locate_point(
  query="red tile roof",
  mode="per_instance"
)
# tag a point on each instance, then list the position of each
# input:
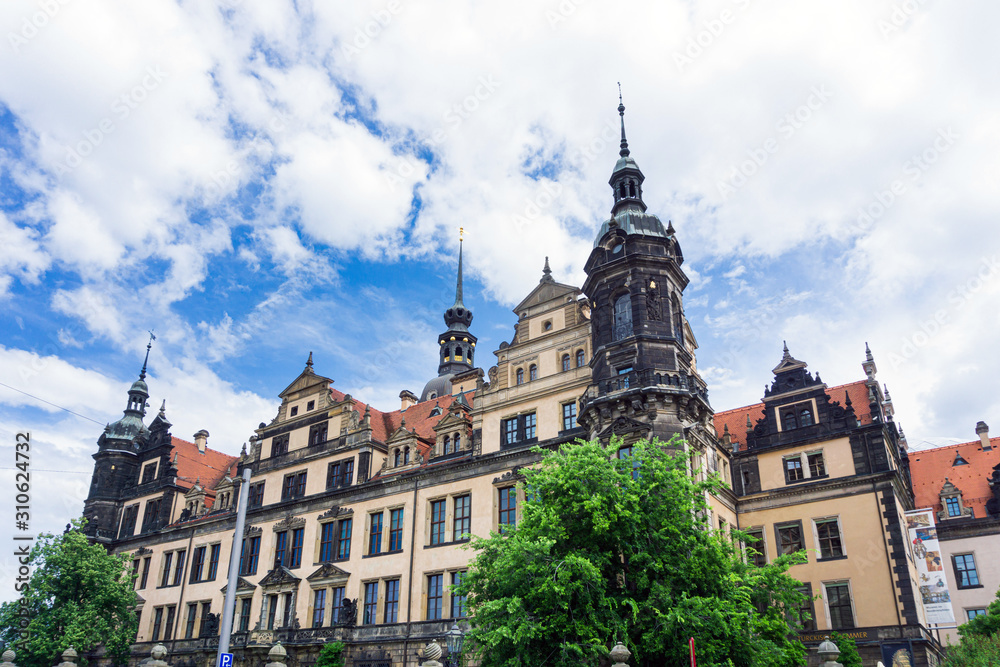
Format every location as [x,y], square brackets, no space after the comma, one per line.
[930,467]
[417,416]
[207,469]
[736,419]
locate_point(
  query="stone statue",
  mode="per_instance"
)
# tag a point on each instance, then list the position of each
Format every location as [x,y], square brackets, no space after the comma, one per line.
[349,613]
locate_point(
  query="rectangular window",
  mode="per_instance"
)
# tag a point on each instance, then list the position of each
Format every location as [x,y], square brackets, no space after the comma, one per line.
[569,414]
[828,532]
[272,610]
[317,434]
[458,602]
[437,521]
[149,472]
[295,548]
[972,613]
[518,429]
[435,594]
[623,373]
[371,603]
[626,452]
[965,571]
[168,559]
[789,538]
[375,534]
[280,548]
[157,623]
[396,530]
[245,614]
[954,509]
[249,554]
[128,521]
[168,627]
[294,486]
[197,564]
[151,515]
[344,539]
[756,551]
[336,604]
[192,617]
[391,601]
[213,562]
[145,572]
[816,466]
[179,570]
[326,540]
[256,497]
[838,597]
[807,619]
[793,469]
[206,609]
[279,445]
[508,507]
[463,517]
[319,607]
[340,474]
[310,405]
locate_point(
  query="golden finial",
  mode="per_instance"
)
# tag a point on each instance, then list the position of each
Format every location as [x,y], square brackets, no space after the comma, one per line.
[461,233]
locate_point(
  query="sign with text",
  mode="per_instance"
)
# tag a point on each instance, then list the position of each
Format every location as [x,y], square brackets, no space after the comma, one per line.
[926,552]
[225,660]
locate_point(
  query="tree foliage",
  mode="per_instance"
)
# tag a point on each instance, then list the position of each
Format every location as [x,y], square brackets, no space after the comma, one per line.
[331,655]
[984,625]
[980,645]
[78,595]
[601,555]
[849,655]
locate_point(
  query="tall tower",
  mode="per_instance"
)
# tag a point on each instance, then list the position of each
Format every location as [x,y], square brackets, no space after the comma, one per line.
[116,460]
[644,382]
[458,345]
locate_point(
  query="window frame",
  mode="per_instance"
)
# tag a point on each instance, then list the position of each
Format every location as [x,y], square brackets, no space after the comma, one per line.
[506,512]
[397,516]
[569,420]
[778,542]
[369,611]
[197,563]
[462,524]
[820,538]
[757,555]
[279,444]
[438,516]
[435,596]
[256,495]
[962,574]
[846,584]
[375,533]
[390,611]
[293,485]
[519,429]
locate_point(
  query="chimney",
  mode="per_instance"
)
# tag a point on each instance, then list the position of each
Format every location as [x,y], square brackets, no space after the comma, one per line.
[983,431]
[201,439]
[407,398]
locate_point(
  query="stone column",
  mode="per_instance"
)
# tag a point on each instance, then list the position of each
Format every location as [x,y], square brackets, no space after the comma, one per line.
[69,657]
[620,655]
[276,656]
[828,652]
[432,652]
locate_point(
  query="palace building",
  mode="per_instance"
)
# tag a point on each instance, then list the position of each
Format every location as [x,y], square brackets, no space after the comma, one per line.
[357,517]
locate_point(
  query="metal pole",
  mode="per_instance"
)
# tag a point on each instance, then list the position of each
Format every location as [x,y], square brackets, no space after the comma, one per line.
[226,626]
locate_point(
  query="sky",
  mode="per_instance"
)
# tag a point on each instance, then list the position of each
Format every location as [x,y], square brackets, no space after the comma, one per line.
[255,180]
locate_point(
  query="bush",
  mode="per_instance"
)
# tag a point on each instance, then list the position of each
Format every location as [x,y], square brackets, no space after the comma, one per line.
[331,655]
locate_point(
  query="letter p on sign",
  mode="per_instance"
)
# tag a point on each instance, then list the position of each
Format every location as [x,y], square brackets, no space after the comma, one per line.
[226,660]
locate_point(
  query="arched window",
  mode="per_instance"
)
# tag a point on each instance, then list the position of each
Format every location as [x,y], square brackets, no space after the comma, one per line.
[565,362]
[397,458]
[788,421]
[623,317]
[458,442]
[579,358]
[675,309]
[406,455]
[468,355]
[520,376]
[532,372]
[447,444]
[806,417]
[631,188]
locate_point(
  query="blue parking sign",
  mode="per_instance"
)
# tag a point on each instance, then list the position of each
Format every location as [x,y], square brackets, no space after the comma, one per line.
[226,660]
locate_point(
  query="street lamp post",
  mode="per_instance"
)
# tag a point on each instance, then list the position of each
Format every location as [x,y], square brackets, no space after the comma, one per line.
[454,638]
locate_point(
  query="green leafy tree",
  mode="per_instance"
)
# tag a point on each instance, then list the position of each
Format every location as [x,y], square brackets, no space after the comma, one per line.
[78,595]
[974,651]
[849,656]
[331,655]
[612,549]
[984,625]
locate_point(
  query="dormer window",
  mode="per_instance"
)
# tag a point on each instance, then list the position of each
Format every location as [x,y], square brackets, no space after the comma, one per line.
[458,442]
[953,506]
[533,372]
[951,501]
[520,376]
[805,417]
[580,360]
[788,421]
[294,411]
[447,444]
[565,362]
[959,461]
[310,405]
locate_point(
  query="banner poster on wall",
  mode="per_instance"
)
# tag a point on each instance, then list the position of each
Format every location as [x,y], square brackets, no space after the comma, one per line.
[930,566]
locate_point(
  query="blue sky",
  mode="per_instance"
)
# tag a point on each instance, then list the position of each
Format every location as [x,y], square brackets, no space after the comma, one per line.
[257,180]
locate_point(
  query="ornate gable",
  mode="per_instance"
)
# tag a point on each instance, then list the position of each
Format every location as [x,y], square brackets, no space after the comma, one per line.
[279,577]
[327,573]
[241,586]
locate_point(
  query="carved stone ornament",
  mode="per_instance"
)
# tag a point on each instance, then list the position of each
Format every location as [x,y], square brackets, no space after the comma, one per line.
[335,512]
[624,425]
[252,530]
[142,551]
[508,477]
[289,523]
[653,309]
[493,374]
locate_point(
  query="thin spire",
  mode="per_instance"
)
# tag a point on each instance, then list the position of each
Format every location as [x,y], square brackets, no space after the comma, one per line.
[309,361]
[621,112]
[547,272]
[149,345]
[458,286]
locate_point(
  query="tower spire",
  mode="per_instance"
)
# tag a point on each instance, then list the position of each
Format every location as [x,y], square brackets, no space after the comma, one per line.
[149,345]
[621,112]
[458,285]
